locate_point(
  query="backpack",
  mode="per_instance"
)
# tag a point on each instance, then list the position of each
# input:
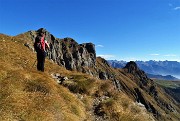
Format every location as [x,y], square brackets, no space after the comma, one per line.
[38,45]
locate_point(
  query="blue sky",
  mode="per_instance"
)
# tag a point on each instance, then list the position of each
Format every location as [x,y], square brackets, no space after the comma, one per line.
[120,29]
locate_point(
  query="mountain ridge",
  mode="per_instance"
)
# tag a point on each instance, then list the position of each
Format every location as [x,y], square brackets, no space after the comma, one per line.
[131,82]
[154,68]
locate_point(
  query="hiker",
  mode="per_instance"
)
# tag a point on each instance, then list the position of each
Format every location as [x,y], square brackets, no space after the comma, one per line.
[40,46]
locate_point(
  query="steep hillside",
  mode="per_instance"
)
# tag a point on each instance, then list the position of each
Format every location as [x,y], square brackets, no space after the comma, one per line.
[26,94]
[171,87]
[58,94]
[135,83]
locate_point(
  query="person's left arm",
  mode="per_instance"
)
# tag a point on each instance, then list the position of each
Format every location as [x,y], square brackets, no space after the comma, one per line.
[46,44]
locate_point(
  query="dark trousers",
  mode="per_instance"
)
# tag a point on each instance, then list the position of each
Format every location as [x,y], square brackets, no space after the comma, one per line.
[41,60]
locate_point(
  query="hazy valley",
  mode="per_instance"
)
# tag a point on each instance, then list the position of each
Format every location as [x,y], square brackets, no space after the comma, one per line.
[169,70]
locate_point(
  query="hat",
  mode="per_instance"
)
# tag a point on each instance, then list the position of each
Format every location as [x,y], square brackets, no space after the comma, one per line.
[41,30]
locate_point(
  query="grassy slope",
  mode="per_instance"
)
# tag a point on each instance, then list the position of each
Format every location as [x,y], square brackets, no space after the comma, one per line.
[168,84]
[171,87]
[31,95]
[129,83]
[26,94]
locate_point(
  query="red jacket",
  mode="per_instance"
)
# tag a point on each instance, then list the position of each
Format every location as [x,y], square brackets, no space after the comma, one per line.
[40,44]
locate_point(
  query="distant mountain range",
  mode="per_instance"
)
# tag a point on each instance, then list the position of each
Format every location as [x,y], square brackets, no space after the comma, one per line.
[165,70]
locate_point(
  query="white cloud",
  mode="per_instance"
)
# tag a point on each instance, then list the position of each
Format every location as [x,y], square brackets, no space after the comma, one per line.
[170,55]
[107,56]
[130,59]
[177,8]
[155,54]
[99,46]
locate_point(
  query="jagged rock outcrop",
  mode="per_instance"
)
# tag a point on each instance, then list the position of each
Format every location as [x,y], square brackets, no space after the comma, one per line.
[132,68]
[150,89]
[68,53]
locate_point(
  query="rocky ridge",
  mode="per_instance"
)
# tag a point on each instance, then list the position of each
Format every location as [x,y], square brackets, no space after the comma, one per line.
[68,53]
[131,80]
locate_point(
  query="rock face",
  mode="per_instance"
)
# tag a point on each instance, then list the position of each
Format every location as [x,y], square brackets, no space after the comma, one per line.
[142,78]
[68,53]
[132,67]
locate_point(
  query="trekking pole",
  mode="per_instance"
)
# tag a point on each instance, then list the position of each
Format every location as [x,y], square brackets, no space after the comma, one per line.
[34,63]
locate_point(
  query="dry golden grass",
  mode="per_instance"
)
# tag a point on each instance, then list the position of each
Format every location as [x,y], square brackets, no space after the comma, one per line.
[121,108]
[26,94]
[30,95]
